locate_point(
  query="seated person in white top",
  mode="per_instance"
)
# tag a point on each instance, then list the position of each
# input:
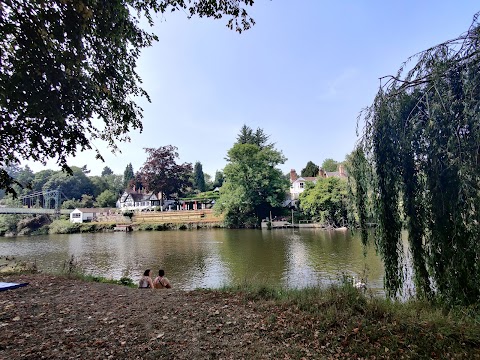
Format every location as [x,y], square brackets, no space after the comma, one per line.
[146,281]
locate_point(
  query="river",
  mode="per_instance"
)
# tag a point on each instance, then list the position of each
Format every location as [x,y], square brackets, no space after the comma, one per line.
[209,258]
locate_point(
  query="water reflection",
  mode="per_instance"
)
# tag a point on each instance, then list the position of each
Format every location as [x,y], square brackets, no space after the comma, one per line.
[209,258]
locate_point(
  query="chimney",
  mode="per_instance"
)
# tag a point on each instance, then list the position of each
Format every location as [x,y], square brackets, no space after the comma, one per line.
[293,175]
[341,170]
[321,173]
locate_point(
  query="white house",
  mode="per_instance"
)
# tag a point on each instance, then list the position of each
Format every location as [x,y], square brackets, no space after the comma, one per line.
[81,215]
[137,201]
[298,184]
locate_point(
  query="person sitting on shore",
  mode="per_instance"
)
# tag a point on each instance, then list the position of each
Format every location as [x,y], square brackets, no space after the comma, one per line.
[161,282]
[146,281]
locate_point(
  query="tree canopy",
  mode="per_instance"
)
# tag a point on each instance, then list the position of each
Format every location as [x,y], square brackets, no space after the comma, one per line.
[310,170]
[72,186]
[68,72]
[326,201]
[161,173]
[253,184]
[106,171]
[418,159]
[257,137]
[128,175]
[198,177]
[330,165]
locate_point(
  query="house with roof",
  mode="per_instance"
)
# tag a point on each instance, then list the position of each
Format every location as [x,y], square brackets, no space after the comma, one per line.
[80,215]
[299,183]
[138,201]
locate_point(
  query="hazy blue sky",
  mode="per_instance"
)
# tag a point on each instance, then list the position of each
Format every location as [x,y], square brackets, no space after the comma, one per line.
[302,73]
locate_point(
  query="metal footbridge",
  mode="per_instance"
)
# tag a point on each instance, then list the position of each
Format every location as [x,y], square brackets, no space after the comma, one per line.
[40,202]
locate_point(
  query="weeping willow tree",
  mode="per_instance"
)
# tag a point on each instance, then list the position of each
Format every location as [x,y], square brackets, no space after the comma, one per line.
[418,162]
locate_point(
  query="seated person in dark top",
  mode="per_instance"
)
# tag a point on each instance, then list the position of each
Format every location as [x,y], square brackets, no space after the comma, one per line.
[146,281]
[161,282]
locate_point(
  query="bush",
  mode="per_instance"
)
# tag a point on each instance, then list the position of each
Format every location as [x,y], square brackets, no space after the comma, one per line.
[63,227]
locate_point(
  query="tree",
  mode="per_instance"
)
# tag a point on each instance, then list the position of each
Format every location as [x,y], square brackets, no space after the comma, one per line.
[310,170]
[40,179]
[419,156]
[218,182]
[128,175]
[68,73]
[253,185]
[198,177]
[330,165]
[326,201]
[161,173]
[106,171]
[99,185]
[106,199]
[248,136]
[208,182]
[72,186]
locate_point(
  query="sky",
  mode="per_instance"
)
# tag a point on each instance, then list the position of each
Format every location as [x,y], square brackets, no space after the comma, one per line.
[303,73]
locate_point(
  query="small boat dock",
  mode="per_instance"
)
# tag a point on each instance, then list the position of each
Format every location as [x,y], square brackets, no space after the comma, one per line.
[123,227]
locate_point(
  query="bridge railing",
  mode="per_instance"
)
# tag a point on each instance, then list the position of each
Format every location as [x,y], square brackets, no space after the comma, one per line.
[12,210]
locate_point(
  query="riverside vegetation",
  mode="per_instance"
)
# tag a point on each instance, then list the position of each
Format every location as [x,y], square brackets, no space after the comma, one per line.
[13,225]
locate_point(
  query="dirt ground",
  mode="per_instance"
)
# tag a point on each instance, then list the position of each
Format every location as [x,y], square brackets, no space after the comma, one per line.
[56,317]
[61,318]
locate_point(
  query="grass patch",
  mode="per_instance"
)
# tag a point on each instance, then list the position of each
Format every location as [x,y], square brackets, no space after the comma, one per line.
[351,323]
[72,269]
[61,226]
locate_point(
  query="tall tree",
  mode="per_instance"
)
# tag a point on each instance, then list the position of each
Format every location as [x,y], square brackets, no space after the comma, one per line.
[421,144]
[66,63]
[198,177]
[330,165]
[310,170]
[257,137]
[218,182]
[253,184]
[208,182]
[128,175]
[161,173]
[106,171]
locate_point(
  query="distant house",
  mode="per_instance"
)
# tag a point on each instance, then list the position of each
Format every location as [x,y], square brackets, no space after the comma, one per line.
[81,215]
[138,201]
[298,184]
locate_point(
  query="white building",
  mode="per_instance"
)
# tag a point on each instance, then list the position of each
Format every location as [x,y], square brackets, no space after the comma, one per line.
[81,215]
[298,184]
[138,201]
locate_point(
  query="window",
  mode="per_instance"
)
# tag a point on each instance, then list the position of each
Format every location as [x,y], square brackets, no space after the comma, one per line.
[76,215]
[301,185]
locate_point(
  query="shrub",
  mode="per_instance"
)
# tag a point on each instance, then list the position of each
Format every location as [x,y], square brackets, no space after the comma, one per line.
[63,227]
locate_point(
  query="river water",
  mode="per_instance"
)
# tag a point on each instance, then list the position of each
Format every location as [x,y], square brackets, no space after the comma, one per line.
[209,258]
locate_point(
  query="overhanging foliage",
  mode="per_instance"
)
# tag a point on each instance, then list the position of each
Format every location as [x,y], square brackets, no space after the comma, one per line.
[422,143]
[68,72]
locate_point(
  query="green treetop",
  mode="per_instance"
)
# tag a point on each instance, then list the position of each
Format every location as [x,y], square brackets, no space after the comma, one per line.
[310,170]
[253,184]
